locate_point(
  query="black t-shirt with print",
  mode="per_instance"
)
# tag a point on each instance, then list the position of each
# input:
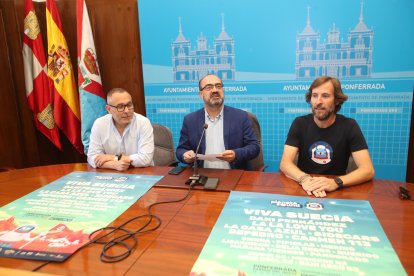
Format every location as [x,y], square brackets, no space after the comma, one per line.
[325,150]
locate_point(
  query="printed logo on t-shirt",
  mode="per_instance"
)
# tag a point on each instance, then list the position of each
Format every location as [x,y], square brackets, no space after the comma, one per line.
[321,152]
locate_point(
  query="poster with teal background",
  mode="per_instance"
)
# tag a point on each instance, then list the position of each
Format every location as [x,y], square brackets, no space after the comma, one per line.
[268,52]
[271,234]
[54,221]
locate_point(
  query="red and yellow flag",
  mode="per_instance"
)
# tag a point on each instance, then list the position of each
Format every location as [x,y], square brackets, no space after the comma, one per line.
[39,95]
[60,71]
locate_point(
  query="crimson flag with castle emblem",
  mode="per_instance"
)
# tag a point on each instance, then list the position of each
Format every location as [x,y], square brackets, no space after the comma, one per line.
[39,95]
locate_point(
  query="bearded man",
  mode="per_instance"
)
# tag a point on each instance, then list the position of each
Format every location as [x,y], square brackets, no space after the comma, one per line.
[228,131]
[324,141]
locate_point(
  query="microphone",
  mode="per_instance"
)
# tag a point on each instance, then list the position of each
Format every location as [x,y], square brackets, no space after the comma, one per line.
[196,178]
[205,126]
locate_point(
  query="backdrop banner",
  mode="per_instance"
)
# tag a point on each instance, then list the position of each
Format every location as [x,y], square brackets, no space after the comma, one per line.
[270,234]
[54,221]
[269,52]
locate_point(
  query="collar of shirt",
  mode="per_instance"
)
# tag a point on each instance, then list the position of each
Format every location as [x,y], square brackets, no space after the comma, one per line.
[209,119]
[113,126]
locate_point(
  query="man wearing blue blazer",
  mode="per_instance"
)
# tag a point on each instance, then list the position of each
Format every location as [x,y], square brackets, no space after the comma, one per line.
[228,131]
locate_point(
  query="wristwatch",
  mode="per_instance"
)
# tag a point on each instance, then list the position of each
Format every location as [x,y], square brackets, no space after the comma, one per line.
[117,157]
[339,182]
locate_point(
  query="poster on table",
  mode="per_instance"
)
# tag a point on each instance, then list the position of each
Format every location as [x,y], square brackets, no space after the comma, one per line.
[271,234]
[268,52]
[54,221]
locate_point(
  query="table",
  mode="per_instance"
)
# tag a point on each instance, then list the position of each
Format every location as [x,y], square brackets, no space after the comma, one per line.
[174,247]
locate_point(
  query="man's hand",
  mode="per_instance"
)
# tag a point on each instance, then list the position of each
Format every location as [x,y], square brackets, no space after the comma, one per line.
[108,161]
[227,155]
[189,156]
[318,186]
[101,159]
[121,165]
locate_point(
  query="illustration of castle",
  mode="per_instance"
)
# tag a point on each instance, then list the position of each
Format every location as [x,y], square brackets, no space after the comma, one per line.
[351,59]
[190,65]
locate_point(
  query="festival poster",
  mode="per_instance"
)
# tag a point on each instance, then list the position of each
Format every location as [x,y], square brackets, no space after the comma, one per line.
[54,221]
[271,234]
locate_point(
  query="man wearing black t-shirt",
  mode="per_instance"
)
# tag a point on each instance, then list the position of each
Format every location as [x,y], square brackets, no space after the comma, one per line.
[324,141]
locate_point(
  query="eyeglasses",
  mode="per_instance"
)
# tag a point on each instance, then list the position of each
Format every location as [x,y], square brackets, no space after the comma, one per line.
[121,107]
[404,193]
[210,87]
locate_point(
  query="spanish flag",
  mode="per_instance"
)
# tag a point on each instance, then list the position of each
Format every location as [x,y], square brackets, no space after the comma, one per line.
[60,71]
[39,95]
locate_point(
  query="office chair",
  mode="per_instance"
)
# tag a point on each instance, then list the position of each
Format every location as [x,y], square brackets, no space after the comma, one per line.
[258,162]
[163,146]
[351,165]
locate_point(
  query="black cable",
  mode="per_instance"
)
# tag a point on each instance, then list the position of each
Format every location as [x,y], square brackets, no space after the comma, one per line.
[405,194]
[121,240]
[126,235]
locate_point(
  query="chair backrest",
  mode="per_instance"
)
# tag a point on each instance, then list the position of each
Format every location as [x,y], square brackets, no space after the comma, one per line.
[258,162]
[163,146]
[351,165]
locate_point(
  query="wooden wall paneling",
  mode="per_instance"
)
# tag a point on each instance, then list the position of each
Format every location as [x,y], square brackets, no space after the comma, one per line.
[139,79]
[10,130]
[115,26]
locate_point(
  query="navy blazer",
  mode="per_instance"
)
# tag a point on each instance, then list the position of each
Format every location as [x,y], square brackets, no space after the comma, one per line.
[238,136]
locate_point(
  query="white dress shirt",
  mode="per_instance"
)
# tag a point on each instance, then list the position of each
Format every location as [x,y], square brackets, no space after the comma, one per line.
[137,141]
[215,141]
